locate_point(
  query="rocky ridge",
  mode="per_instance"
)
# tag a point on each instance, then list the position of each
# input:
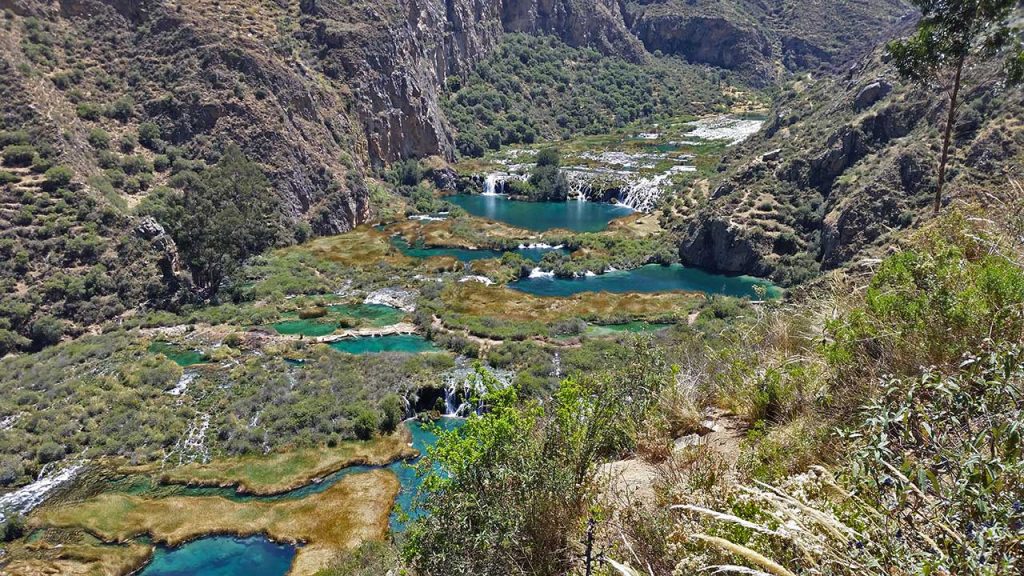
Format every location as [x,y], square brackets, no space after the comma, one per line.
[841,164]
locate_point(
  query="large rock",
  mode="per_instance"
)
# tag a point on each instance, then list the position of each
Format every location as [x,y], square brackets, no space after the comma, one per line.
[871,93]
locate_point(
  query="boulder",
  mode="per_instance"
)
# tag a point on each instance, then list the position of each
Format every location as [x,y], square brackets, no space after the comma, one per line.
[870,94]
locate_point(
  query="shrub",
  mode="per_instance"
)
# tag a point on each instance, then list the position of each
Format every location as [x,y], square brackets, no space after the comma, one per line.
[149,134]
[19,155]
[99,139]
[58,177]
[121,109]
[392,410]
[13,137]
[46,331]
[88,111]
[366,423]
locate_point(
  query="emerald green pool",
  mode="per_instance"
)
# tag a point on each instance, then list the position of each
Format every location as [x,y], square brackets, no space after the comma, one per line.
[626,328]
[373,314]
[306,327]
[222,556]
[259,556]
[408,343]
[650,278]
[571,215]
[177,354]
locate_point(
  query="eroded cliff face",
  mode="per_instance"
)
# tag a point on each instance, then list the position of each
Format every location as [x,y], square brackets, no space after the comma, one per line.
[764,39]
[842,164]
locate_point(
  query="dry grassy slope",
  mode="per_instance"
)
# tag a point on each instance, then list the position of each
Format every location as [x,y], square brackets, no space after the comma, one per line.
[842,165]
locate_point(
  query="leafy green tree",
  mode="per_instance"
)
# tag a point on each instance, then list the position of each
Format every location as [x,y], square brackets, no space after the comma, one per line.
[516,483]
[366,423]
[58,177]
[46,331]
[948,35]
[222,217]
[392,409]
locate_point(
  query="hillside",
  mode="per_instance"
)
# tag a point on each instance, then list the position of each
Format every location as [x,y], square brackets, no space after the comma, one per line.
[842,164]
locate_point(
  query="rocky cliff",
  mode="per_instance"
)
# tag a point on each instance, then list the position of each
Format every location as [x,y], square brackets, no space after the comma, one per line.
[764,39]
[841,164]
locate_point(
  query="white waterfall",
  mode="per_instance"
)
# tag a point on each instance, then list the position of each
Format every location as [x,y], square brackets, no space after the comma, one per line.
[462,383]
[643,193]
[491,185]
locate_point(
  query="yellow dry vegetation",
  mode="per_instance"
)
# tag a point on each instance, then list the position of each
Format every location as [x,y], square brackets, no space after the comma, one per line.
[350,512]
[291,469]
[476,299]
[78,560]
[362,247]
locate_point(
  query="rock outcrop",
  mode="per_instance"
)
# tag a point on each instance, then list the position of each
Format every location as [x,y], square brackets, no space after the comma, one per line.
[842,164]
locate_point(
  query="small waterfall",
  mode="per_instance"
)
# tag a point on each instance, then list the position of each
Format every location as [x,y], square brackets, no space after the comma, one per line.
[580,186]
[557,363]
[642,194]
[491,184]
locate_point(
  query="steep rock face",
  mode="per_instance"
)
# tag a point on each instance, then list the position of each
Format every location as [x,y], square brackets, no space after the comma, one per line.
[715,40]
[599,24]
[833,175]
[761,39]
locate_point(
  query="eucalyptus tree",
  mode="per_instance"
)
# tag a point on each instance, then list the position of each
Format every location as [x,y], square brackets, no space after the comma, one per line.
[949,35]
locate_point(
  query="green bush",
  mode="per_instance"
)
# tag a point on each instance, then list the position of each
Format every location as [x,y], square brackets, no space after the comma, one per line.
[46,331]
[365,423]
[149,134]
[58,177]
[19,155]
[89,111]
[99,139]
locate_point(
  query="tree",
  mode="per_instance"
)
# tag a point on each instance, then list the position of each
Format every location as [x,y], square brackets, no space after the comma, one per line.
[949,33]
[222,217]
[392,409]
[519,480]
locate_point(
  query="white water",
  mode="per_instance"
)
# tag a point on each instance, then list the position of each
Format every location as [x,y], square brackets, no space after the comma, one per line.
[642,194]
[404,300]
[481,279]
[26,498]
[538,273]
[540,246]
[462,383]
[730,128]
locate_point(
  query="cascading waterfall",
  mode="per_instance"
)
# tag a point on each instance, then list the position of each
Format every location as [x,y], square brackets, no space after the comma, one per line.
[580,186]
[491,185]
[462,383]
[494,183]
[643,193]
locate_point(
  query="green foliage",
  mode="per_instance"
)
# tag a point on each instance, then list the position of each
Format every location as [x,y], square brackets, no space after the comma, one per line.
[149,135]
[46,331]
[930,307]
[392,409]
[366,423]
[520,478]
[947,452]
[58,177]
[19,155]
[534,87]
[12,526]
[222,217]
[99,139]
[949,31]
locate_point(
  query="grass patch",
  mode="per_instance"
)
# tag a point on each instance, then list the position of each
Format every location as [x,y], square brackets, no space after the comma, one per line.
[353,511]
[287,470]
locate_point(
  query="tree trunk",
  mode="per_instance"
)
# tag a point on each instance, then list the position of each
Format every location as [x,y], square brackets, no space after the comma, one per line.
[950,119]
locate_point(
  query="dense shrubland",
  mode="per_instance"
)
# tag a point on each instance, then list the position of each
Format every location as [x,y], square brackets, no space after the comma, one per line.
[534,88]
[107,395]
